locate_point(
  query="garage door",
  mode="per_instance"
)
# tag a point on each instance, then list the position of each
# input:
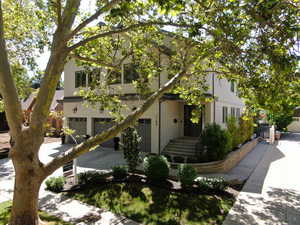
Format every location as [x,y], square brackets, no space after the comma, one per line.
[144,130]
[79,126]
[101,124]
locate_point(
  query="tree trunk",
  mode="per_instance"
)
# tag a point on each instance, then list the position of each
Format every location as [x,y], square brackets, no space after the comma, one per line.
[25,201]
[28,179]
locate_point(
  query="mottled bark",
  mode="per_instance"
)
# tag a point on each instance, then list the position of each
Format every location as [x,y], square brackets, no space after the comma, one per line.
[29,176]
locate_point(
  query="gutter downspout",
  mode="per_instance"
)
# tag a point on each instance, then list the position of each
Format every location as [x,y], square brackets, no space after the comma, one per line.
[213,93]
[159,110]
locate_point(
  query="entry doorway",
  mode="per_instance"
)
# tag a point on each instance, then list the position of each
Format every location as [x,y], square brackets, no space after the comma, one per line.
[191,129]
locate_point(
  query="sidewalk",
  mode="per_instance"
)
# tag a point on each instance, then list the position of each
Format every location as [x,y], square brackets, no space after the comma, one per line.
[271,196]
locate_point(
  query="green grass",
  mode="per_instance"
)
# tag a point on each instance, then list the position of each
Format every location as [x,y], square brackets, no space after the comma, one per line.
[156,206]
[48,219]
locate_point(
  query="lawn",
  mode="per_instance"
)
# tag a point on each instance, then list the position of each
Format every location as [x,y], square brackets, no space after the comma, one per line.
[48,219]
[157,206]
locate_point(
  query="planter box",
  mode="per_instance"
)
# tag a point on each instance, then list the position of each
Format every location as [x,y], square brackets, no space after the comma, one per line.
[231,160]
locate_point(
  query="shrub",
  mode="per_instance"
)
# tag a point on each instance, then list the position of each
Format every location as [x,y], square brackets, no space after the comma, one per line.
[130,146]
[120,172]
[246,128]
[55,184]
[91,177]
[234,131]
[187,175]
[215,183]
[156,168]
[217,142]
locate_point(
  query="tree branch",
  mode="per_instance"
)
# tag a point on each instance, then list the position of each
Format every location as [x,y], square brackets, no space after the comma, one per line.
[93,17]
[7,87]
[126,29]
[113,131]
[55,67]
[58,8]
[101,63]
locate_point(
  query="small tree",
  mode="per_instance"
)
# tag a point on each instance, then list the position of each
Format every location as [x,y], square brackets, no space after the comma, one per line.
[130,146]
[234,130]
[246,128]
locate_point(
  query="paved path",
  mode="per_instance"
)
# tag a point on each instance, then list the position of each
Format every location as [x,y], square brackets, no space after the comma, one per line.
[68,209]
[271,196]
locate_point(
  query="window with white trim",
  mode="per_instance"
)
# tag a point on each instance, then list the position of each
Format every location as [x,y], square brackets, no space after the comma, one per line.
[225,114]
[80,79]
[232,111]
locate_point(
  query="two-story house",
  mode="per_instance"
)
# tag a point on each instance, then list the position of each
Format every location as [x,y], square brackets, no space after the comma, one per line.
[166,120]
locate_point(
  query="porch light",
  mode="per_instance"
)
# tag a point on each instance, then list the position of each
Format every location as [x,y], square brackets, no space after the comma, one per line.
[75,110]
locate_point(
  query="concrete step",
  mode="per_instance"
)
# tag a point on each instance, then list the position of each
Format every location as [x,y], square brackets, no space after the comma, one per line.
[188,141]
[176,149]
[172,153]
[183,146]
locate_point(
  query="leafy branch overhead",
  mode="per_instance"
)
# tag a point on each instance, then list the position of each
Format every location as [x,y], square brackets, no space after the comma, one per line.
[253,42]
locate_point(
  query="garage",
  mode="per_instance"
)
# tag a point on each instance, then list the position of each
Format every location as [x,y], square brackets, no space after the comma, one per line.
[144,130]
[77,124]
[100,125]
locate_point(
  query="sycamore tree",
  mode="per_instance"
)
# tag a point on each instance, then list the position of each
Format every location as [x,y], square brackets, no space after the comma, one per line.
[239,40]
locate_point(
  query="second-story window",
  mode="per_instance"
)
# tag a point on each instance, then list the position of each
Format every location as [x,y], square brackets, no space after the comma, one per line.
[94,77]
[80,79]
[130,72]
[232,86]
[113,77]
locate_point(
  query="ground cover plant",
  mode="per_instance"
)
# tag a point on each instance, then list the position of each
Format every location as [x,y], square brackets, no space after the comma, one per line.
[155,205]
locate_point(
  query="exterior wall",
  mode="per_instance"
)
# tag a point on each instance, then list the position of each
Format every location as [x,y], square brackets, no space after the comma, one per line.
[224,97]
[295,125]
[171,121]
[90,113]
[69,86]
[170,110]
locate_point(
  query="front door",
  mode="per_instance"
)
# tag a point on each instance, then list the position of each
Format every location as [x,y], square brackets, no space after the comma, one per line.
[191,129]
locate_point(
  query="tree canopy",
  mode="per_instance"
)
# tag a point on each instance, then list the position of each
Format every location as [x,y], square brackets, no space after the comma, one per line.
[252,41]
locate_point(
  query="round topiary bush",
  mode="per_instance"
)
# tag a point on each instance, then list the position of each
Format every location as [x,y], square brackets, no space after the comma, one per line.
[186,175]
[120,172]
[156,168]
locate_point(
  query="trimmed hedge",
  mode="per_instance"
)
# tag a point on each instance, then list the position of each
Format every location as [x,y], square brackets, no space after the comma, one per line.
[187,175]
[156,168]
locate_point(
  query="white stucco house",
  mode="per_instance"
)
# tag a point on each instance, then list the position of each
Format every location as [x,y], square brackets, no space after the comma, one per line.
[166,125]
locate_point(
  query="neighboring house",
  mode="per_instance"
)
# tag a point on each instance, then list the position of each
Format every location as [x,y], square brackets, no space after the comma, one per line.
[56,110]
[166,122]
[295,125]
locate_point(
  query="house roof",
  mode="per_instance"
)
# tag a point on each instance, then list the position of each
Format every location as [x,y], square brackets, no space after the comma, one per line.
[25,104]
[59,95]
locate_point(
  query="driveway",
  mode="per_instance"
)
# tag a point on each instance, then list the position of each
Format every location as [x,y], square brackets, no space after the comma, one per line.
[100,159]
[271,195]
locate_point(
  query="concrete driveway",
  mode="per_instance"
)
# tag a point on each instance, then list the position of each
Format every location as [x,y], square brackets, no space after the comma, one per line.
[271,195]
[100,159]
